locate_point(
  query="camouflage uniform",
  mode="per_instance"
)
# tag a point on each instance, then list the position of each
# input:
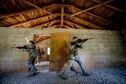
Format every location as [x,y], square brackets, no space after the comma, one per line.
[73,57]
[31,49]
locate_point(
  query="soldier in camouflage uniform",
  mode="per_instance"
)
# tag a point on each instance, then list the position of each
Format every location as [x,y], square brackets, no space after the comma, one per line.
[73,47]
[31,49]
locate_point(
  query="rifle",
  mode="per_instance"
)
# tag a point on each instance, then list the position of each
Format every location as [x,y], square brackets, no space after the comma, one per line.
[21,47]
[81,41]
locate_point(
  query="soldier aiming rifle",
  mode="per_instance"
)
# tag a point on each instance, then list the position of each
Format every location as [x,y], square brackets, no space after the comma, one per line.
[73,49]
[31,49]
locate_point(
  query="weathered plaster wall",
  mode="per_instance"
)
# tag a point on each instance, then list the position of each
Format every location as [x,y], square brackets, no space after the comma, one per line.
[107,49]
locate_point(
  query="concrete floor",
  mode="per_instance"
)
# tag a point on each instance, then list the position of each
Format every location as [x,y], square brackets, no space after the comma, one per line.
[42,66]
[98,76]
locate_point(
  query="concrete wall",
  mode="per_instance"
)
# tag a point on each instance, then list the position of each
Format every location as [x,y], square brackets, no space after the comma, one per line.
[123,32]
[107,49]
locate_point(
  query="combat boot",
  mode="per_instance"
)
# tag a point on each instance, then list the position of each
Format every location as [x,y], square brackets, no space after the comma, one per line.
[85,74]
[63,76]
[32,72]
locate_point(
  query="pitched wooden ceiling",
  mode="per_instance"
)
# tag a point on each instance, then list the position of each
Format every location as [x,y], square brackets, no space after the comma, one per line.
[77,14]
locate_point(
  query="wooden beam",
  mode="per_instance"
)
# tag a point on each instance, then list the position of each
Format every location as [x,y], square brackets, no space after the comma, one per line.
[99,17]
[38,39]
[12,14]
[58,26]
[30,10]
[62,5]
[47,23]
[77,26]
[50,24]
[91,8]
[39,18]
[23,12]
[70,24]
[58,21]
[42,38]
[83,22]
[115,8]
[102,18]
[62,15]
[55,26]
[36,7]
[67,27]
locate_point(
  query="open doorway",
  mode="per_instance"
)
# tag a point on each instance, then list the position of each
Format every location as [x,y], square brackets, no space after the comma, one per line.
[56,52]
[43,50]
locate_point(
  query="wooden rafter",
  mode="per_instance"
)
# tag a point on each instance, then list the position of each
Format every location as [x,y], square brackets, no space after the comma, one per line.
[36,6]
[91,8]
[99,17]
[48,16]
[53,23]
[55,26]
[42,38]
[70,24]
[50,24]
[58,25]
[62,15]
[93,14]
[102,18]
[67,27]
[38,39]
[115,8]
[23,12]
[47,24]
[83,21]
[69,15]
[77,26]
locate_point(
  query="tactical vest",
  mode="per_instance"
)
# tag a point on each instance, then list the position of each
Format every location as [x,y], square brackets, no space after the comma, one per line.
[73,50]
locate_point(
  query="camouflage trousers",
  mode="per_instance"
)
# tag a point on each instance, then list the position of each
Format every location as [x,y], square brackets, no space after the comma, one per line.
[31,64]
[70,63]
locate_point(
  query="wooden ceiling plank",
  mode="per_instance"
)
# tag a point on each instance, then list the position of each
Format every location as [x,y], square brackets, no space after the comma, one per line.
[79,27]
[12,14]
[113,7]
[52,22]
[102,18]
[36,6]
[83,21]
[91,8]
[98,17]
[23,12]
[35,19]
